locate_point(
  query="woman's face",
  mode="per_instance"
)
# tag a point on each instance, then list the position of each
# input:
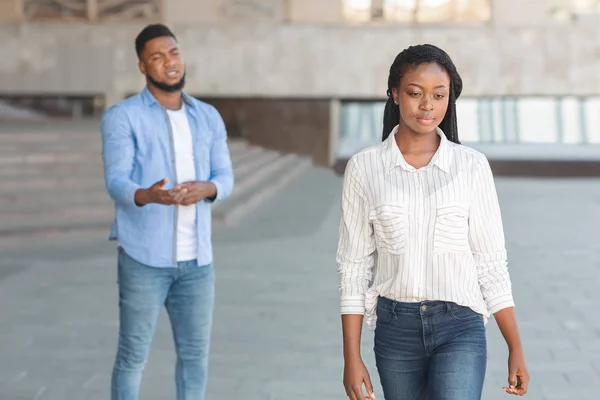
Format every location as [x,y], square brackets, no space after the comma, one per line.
[422,97]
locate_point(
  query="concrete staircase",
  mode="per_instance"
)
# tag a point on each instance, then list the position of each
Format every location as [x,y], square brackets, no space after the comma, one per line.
[51,179]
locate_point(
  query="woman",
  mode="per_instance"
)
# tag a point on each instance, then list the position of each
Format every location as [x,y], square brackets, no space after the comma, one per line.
[423,209]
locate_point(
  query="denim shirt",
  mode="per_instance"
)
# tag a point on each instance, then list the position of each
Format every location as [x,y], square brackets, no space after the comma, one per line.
[138,151]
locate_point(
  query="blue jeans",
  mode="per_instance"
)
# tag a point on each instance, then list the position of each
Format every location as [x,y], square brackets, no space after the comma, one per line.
[187,292]
[431,350]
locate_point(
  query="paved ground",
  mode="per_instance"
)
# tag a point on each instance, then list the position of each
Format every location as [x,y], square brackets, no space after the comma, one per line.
[277,328]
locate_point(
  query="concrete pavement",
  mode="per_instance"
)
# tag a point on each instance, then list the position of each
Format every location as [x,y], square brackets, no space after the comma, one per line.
[277,327]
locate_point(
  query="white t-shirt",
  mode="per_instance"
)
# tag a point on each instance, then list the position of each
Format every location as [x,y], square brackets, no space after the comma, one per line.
[187,243]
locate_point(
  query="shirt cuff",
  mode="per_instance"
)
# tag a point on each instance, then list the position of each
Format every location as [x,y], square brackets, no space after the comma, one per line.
[353,305]
[500,303]
[130,194]
[220,192]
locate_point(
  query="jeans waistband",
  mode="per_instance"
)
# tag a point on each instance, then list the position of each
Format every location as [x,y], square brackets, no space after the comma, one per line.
[417,308]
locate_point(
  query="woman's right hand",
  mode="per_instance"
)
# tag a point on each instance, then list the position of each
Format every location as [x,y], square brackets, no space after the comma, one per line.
[355,375]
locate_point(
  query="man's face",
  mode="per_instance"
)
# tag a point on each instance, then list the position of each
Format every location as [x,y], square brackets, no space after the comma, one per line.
[162,64]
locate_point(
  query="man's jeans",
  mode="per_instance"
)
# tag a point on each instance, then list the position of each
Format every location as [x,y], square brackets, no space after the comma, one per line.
[187,292]
[431,350]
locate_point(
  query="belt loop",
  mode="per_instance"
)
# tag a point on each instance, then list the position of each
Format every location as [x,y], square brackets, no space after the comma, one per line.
[447,306]
[394,316]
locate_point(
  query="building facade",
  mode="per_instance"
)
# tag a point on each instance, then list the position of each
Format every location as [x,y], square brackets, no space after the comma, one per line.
[310,76]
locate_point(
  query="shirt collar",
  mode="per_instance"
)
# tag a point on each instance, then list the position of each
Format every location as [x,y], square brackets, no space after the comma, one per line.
[392,156]
[150,100]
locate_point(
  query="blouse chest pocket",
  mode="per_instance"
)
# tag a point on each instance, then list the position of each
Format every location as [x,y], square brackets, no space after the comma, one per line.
[389,226]
[451,233]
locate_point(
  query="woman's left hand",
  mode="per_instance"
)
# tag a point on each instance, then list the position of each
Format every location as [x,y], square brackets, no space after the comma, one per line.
[518,376]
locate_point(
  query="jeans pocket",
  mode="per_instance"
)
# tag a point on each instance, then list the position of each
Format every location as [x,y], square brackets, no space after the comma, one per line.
[384,316]
[462,313]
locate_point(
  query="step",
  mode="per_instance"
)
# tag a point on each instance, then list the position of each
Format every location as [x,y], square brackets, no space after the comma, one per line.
[76,155]
[60,213]
[23,201]
[242,154]
[58,168]
[89,176]
[234,209]
[53,186]
[48,227]
[88,185]
[73,218]
[62,149]
[258,175]
[249,166]
[44,170]
[6,150]
[57,192]
[48,138]
[45,159]
[237,144]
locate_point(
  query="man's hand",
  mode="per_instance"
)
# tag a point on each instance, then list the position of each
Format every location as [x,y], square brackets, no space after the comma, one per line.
[518,376]
[197,191]
[156,194]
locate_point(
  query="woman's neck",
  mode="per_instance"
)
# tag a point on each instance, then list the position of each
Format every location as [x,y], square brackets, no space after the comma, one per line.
[410,142]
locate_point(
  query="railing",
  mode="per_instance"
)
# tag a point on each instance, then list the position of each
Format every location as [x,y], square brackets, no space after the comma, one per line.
[90,10]
[546,120]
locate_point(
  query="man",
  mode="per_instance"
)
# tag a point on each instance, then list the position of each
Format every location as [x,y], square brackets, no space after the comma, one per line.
[165,161]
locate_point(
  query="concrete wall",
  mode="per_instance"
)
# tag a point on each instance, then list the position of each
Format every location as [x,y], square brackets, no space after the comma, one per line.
[264,57]
[225,11]
[288,125]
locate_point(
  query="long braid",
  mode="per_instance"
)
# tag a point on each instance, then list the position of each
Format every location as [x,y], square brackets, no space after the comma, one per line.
[413,56]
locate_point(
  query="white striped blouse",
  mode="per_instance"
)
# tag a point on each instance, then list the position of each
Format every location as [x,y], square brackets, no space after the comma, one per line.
[433,233]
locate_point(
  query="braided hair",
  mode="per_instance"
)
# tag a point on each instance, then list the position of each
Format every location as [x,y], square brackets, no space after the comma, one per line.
[414,56]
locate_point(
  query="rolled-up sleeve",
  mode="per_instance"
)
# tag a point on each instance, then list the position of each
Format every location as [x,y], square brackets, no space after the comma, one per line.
[486,236]
[356,245]
[221,170]
[118,152]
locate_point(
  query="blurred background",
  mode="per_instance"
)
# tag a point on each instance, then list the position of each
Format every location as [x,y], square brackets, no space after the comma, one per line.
[301,86]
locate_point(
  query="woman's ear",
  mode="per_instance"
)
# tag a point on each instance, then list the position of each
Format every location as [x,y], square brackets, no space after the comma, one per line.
[395,96]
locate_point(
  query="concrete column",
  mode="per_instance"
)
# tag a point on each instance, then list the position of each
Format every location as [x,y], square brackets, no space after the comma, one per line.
[189,11]
[334,131]
[521,12]
[315,11]
[11,10]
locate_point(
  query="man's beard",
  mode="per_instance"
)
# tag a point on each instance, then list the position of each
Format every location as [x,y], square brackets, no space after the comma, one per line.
[165,87]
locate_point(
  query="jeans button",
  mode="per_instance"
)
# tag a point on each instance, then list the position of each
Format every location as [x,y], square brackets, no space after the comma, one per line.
[423,307]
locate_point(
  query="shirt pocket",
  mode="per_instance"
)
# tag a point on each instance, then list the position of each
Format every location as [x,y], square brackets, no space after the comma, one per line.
[389,226]
[451,233]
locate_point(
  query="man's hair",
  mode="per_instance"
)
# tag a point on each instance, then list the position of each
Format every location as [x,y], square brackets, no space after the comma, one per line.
[414,56]
[148,33]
